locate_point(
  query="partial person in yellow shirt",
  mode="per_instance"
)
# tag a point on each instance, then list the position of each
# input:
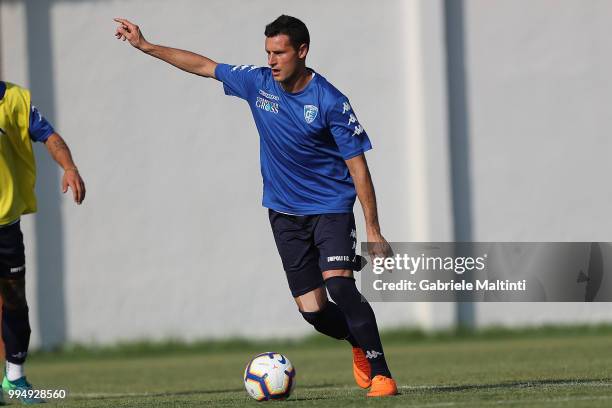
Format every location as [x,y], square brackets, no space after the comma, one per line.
[20,124]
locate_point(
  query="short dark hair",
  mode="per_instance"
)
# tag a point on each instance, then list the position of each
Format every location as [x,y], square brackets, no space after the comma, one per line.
[294,28]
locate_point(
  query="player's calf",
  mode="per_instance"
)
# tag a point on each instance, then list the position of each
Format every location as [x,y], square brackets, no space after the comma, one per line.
[15,321]
[325,316]
[361,321]
[331,322]
[15,334]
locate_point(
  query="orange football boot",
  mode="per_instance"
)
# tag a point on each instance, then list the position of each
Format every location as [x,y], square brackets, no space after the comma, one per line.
[382,387]
[361,368]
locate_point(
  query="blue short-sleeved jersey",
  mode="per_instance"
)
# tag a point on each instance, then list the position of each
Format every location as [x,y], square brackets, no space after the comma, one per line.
[304,139]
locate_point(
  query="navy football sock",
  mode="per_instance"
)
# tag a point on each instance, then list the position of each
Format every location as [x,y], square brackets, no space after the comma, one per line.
[361,321]
[331,322]
[15,333]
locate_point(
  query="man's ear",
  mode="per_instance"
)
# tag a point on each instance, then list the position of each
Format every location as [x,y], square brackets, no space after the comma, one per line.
[303,51]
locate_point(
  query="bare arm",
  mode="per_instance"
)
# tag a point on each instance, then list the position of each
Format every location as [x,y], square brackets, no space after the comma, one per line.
[186,60]
[377,244]
[58,149]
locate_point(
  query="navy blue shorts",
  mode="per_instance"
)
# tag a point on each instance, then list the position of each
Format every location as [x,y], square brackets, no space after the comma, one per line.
[311,244]
[12,252]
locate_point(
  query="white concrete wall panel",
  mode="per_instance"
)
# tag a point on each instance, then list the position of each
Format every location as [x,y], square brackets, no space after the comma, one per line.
[172,240]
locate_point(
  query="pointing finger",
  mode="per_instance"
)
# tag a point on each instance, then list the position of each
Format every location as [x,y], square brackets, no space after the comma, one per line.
[125,24]
[123,21]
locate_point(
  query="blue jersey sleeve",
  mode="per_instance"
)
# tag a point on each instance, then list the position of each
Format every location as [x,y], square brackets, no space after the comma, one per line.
[237,80]
[40,129]
[351,138]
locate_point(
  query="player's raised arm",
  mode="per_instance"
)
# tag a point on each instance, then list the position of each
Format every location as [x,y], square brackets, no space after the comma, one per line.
[185,60]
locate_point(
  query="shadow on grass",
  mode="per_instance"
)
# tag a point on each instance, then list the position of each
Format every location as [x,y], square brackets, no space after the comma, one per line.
[405,390]
[104,396]
[513,384]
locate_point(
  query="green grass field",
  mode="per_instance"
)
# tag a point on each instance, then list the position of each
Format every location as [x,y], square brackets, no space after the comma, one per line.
[541,368]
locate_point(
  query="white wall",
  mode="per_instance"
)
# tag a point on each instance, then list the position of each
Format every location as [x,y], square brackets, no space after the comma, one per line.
[539,113]
[172,240]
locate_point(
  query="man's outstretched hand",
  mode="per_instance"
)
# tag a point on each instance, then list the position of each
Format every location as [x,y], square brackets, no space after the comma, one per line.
[127,30]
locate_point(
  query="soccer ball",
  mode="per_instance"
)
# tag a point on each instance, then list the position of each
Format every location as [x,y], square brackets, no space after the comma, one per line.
[269,376]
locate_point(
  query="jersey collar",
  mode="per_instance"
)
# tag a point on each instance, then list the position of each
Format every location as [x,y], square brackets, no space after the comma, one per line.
[312,79]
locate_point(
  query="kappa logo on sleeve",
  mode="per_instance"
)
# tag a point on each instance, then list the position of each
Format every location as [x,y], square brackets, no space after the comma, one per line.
[346,107]
[352,119]
[358,130]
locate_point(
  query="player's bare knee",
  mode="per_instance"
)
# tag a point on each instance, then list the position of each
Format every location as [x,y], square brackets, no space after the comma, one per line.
[311,305]
[313,301]
[13,293]
[332,273]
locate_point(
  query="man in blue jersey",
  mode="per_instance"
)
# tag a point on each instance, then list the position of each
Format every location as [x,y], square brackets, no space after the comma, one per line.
[313,166]
[20,125]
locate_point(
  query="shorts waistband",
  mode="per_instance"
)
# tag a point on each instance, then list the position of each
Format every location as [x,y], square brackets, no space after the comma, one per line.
[10,223]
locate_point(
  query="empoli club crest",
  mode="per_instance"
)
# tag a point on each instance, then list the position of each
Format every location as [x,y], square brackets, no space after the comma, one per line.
[310,113]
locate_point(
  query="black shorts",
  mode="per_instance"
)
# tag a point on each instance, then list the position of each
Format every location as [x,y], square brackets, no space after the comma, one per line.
[311,244]
[12,252]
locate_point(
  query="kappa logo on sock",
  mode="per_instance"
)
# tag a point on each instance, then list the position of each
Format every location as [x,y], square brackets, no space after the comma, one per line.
[373,354]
